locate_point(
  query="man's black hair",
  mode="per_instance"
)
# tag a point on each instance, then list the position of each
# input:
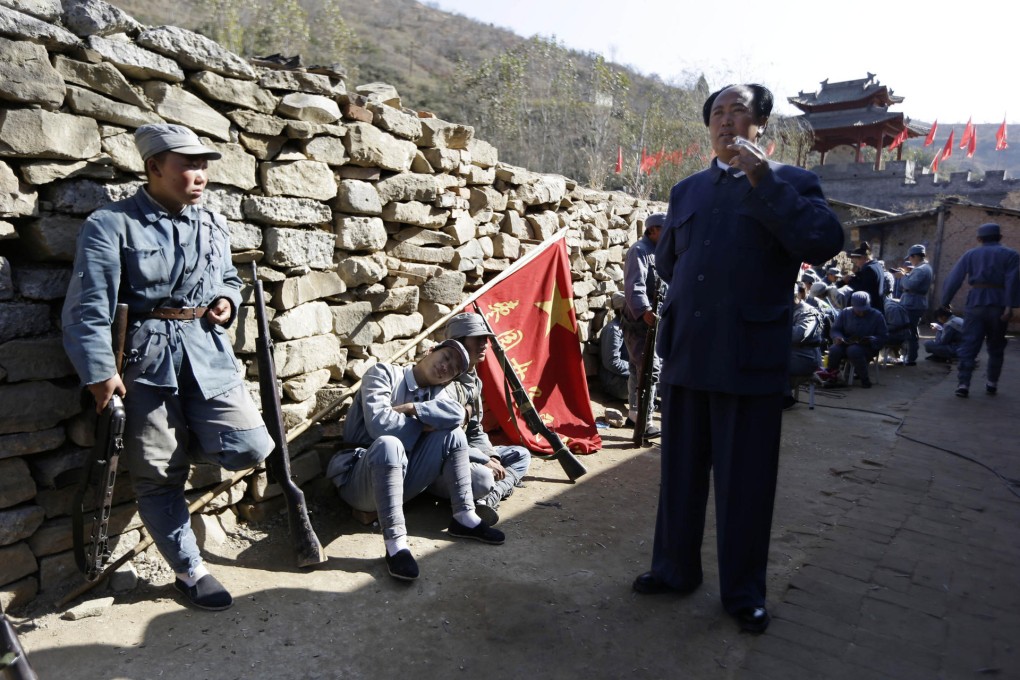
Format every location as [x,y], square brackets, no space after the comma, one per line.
[761,100]
[945,311]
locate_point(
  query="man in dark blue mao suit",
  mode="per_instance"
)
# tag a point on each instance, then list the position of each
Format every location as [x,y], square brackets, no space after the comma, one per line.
[735,236]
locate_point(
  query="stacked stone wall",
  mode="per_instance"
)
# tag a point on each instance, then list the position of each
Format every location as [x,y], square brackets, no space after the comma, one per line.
[368,221]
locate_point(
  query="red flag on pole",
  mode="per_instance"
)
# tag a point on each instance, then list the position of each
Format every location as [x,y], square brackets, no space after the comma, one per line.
[619,160]
[931,133]
[1000,136]
[935,163]
[968,133]
[947,150]
[532,314]
[899,139]
[972,143]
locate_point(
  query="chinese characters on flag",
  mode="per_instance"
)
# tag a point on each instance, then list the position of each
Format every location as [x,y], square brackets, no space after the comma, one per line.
[532,314]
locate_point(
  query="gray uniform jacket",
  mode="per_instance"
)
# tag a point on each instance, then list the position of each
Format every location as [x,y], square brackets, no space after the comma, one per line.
[915,287]
[134,252]
[730,254]
[871,326]
[371,415]
[992,265]
[639,278]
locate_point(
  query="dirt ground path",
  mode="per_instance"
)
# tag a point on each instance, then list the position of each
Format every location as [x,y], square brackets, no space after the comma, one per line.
[553,602]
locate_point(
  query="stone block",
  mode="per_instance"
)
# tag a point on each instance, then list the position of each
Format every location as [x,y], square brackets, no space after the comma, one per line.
[361,271]
[415,213]
[446,288]
[395,326]
[37,133]
[307,179]
[27,443]
[258,123]
[243,93]
[19,25]
[401,299]
[96,17]
[34,406]
[297,290]
[15,595]
[56,571]
[194,51]
[369,146]
[543,225]
[236,168]
[360,233]
[244,236]
[102,77]
[136,62]
[311,318]
[123,153]
[443,135]
[18,523]
[409,251]
[313,108]
[51,237]
[297,81]
[124,578]
[35,359]
[304,387]
[296,247]
[87,103]
[354,196]
[379,93]
[46,10]
[483,154]
[395,121]
[306,355]
[408,186]
[349,317]
[286,212]
[177,105]
[328,149]
[26,76]
[303,468]
[208,532]
[16,562]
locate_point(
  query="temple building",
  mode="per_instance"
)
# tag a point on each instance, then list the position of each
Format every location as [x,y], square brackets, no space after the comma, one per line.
[855,113]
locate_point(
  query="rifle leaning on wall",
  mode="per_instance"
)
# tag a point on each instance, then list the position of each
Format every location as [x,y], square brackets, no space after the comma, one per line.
[644,386]
[306,543]
[101,471]
[561,454]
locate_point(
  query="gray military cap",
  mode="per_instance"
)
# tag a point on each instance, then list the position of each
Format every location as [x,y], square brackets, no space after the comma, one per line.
[154,139]
[467,325]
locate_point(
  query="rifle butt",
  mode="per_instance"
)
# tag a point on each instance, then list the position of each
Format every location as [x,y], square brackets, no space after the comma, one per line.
[16,664]
[570,464]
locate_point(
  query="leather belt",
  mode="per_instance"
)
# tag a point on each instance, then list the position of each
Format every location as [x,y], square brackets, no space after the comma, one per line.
[986,285]
[178,313]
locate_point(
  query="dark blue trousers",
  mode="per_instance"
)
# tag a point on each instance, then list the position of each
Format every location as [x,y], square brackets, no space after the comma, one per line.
[982,324]
[737,439]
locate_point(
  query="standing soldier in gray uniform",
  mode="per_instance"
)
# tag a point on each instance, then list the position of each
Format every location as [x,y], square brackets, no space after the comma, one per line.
[639,280]
[915,284]
[993,271]
[168,258]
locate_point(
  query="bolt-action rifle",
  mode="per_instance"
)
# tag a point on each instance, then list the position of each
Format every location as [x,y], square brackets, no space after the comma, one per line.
[561,454]
[100,471]
[306,543]
[644,388]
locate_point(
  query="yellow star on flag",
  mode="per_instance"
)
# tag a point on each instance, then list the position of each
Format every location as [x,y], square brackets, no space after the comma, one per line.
[558,308]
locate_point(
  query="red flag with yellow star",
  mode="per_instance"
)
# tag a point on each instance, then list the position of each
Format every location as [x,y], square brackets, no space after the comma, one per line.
[532,314]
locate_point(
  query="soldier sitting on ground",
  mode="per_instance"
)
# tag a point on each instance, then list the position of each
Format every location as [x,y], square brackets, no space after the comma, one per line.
[407,433]
[948,336]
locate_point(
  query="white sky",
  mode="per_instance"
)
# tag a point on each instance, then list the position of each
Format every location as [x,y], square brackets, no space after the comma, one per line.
[949,64]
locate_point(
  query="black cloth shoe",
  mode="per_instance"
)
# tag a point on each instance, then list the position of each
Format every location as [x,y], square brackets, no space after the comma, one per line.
[910,363]
[789,401]
[486,512]
[650,584]
[991,389]
[651,432]
[402,565]
[628,422]
[208,593]
[483,532]
[962,391]
[753,619]
[866,383]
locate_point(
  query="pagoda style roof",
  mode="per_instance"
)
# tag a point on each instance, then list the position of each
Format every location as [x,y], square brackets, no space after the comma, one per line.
[872,125]
[848,94]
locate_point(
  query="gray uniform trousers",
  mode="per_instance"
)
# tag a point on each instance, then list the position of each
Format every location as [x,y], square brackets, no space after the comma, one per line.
[165,433]
[385,476]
